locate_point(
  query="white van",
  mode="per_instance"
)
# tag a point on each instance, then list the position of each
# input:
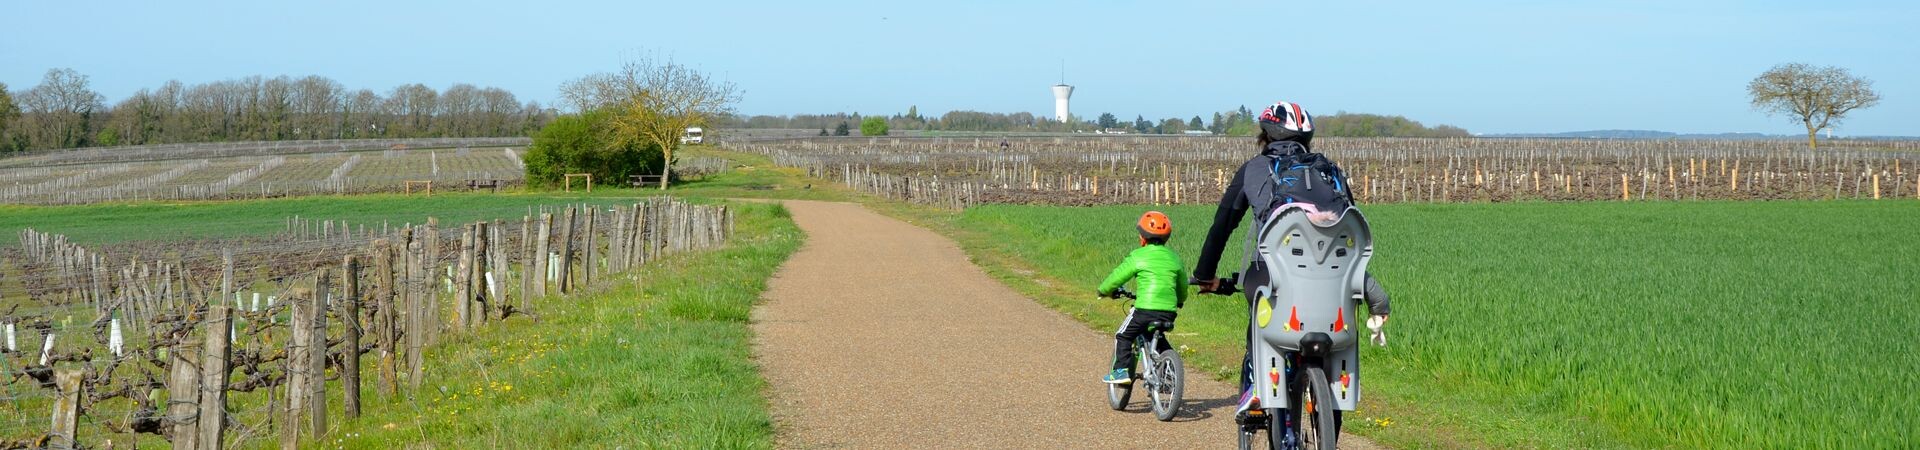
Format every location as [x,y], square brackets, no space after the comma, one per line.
[693,136]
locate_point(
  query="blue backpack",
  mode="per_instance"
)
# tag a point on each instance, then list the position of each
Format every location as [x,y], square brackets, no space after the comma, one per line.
[1308,177]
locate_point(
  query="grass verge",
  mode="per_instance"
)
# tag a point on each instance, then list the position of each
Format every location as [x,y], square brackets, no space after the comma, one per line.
[660,361]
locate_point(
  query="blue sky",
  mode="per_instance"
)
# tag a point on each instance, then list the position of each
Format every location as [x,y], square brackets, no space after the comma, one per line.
[1489,66]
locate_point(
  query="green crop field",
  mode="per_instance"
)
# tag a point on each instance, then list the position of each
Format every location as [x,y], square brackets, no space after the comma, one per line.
[1730,325]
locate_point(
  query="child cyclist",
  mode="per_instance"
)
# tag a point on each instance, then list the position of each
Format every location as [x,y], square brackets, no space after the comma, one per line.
[1161,290]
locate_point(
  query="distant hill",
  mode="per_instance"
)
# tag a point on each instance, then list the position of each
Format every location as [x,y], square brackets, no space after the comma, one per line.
[1653,134]
[1638,134]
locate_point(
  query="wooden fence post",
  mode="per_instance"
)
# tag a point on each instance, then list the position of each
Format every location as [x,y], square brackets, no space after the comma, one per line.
[183,393]
[417,302]
[498,263]
[430,307]
[592,252]
[226,275]
[566,250]
[481,296]
[384,315]
[317,354]
[66,409]
[350,356]
[539,269]
[526,259]
[301,304]
[213,377]
[463,280]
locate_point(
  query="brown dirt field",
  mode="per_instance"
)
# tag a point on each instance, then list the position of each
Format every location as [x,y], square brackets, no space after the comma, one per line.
[880,334]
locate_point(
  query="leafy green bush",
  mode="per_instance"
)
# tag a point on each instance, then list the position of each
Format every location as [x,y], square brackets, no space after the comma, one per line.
[873,126]
[580,143]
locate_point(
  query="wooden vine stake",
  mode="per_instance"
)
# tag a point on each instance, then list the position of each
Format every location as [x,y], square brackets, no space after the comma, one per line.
[385,316]
[183,394]
[350,358]
[66,409]
[213,377]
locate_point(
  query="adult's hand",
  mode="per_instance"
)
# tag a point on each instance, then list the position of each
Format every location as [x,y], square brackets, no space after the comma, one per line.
[1209,286]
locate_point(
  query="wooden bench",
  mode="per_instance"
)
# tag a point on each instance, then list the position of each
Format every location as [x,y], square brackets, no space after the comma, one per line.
[643,180]
[493,185]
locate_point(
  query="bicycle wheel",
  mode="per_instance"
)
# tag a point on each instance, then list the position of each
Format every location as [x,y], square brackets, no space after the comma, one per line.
[1171,385]
[1320,418]
[1277,429]
[1119,394]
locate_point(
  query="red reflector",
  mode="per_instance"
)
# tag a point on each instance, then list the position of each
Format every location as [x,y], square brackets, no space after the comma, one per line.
[1293,319]
[1340,322]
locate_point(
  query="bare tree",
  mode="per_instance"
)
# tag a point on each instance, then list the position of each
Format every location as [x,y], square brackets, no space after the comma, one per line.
[59,111]
[654,101]
[315,98]
[1816,96]
[63,112]
[360,115]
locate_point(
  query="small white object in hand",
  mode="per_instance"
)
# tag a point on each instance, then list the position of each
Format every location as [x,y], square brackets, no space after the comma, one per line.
[1379,336]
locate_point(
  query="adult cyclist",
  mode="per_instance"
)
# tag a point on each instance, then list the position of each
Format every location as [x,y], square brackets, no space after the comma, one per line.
[1285,129]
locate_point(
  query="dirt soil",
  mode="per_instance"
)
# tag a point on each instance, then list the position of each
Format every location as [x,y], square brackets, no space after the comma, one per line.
[880,334]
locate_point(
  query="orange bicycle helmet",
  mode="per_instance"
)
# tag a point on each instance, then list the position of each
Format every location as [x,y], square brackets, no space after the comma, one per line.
[1154,225]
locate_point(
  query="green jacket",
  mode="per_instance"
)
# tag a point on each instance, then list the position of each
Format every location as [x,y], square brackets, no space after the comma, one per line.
[1163,279]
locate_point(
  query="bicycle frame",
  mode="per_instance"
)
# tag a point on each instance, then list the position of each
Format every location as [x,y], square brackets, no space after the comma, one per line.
[1144,345]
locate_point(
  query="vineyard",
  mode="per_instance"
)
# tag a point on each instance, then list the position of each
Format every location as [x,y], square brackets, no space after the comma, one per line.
[244,341]
[270,169]
[957,172]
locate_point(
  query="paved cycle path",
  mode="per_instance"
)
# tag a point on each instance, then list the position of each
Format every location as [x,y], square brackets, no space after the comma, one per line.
[881,334]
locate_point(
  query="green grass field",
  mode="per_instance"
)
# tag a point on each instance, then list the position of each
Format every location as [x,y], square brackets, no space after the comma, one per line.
[1729,325]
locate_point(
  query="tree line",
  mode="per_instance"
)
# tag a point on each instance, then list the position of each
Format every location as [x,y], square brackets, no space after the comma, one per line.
[911,120]
[1236,122]
[64,111]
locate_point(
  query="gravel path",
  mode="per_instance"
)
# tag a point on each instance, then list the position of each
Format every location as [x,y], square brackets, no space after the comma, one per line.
[880,334]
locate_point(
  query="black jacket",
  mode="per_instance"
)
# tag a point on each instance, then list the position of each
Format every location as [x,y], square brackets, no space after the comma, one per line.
[1252,188]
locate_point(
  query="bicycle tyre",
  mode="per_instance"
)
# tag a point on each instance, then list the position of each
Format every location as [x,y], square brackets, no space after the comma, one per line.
[1277,429]
[1320,428]
[1168,390]
[1119,394]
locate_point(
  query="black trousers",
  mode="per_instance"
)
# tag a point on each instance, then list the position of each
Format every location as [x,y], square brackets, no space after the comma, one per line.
[1133,326]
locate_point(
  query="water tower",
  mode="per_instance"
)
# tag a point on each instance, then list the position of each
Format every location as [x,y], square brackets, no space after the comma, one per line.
[1061,92]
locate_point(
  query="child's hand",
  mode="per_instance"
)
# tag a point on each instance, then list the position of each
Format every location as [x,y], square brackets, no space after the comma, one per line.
[1374,324]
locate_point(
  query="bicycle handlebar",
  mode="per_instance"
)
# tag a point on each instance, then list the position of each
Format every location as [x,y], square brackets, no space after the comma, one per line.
[1122,292]
[1223,286]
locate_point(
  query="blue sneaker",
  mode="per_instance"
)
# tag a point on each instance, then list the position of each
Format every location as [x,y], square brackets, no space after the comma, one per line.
[1118,376]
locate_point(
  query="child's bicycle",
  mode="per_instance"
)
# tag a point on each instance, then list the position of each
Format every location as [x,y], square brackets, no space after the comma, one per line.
[1164,376]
